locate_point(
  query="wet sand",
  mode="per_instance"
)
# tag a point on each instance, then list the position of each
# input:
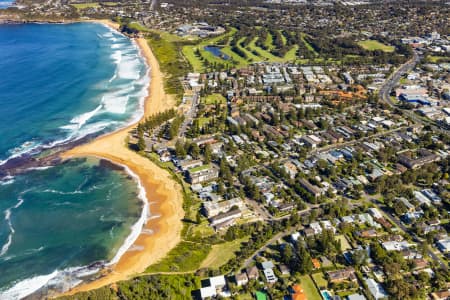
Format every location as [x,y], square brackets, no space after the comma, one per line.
[163,193]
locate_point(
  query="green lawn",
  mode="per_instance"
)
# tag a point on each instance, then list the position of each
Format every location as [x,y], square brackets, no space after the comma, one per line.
[283,38]
[195,61]
[291,55]
[85,5]
[263,53]
[269,41]
[171,61]
[403,80]
[437,59]
[344,242]
[201,230]
[198,62]
[222,253]
[319,279]
[198,56]
[250,55]
[138,26]
[237,59]
[215,98]
[203,121]
[186,256]
[309,288]
[199,168]
[372,45]
[308,45]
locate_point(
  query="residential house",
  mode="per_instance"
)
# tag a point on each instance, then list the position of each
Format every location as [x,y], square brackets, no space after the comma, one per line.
[443,245]
[347,274]
[376,289]
[356,297]
[202,173]
[268,271]
[270,276]
[298,293]
[241,279]
[187,164]
[414,160]
[225,219]
[214,286]
[312,189]
[441,295]
[252,273]
[395,245]
[214,208]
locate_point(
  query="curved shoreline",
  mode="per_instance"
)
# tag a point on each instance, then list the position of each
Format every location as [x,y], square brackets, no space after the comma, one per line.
[163,193]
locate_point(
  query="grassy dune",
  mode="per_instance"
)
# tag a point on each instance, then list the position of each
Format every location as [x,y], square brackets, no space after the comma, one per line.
[372,45]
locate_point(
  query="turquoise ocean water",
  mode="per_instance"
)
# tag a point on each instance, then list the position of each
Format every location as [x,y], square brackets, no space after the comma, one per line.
[5,3]
[60,83]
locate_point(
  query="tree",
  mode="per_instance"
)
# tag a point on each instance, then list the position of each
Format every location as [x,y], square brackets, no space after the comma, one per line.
[359,257]
[304,263]
[141,143]
[194,150]
[207,153]
[288,254]
[179,149]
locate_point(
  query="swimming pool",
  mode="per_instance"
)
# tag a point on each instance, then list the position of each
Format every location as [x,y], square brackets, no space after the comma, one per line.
[326,295]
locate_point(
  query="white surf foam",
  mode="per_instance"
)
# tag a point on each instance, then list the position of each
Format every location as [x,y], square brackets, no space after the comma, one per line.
[116,46]
[117,56]
[27,287]
[6,246]
[115,104]
[60,280]
[25,148]
[7,180]
[83,118]
[136,229]
[40,168]
[51,191]
[128,68]
[31,285]
[108,34]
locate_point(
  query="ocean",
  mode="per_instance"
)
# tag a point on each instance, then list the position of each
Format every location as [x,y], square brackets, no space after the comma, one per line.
[59,84]
[5,4]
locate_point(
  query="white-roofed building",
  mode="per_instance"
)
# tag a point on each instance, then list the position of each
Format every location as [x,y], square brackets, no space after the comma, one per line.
[395,246]
[316,227]
[217,286]
[295,236]
[208,292]
[375,213]
[376,289]
[270,276]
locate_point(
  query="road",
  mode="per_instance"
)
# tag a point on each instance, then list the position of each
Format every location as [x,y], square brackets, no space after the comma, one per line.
[393,80]
[349,143]
[275,238]
[259,209]
[395,77]
[280,234]
[416,239]
[153,5]
[189,117]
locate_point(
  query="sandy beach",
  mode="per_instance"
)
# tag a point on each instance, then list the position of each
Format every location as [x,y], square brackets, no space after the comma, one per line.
[162,191]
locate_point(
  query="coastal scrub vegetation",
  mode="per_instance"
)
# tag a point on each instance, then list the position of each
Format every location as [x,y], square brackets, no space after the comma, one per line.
[145,287]
[167,49]
[181,267]
[171,61]
[185,257]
